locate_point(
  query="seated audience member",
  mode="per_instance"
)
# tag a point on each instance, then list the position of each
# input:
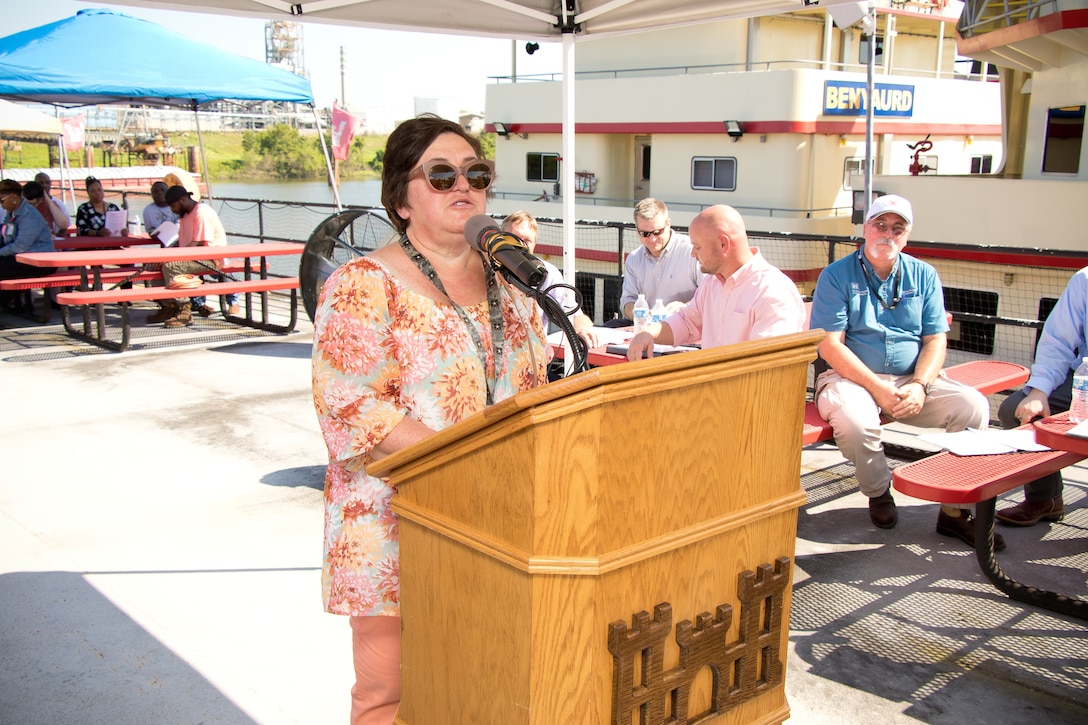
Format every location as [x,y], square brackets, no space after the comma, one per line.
[158,211]
[1049,391]
[91,214]
[24,230]
[54,217]
[523,225]
[884,315]
[662,268]
[198,226]
[742,297]
[60,211]
[47,184]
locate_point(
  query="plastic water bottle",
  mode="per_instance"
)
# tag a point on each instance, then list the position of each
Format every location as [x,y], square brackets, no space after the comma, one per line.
[642,317]
[1078,411]
[658,314]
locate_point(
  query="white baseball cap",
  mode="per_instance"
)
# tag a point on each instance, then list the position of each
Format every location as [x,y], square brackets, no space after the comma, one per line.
[890,203]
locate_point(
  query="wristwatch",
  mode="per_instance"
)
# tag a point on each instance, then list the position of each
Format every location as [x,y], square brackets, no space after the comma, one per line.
[925,386]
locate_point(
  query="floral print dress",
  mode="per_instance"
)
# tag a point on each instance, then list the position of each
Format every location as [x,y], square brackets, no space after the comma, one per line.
[382,352]
[89,220]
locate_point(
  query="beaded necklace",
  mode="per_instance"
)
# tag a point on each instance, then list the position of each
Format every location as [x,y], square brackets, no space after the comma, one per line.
[494,308]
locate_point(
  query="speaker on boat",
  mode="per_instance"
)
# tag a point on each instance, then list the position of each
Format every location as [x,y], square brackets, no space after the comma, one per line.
[340,238]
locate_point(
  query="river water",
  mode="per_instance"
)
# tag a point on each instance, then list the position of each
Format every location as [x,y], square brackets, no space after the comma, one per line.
[354,193]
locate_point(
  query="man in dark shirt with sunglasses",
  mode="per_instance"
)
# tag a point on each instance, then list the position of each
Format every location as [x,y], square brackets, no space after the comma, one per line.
[884,315]
[663,267]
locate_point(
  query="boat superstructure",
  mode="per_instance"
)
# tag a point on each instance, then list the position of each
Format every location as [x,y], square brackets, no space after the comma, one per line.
[978,119]
[764,114]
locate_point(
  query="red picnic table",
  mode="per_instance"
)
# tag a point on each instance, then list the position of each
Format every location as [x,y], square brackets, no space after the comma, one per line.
[979,480]
[84,243]
[91,292]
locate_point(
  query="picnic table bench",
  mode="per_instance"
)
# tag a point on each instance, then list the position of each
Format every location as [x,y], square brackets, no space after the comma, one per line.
[979,480]
[112,276]
[94,272]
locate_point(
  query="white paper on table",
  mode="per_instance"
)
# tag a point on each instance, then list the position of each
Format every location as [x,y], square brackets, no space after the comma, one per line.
[1080,430]
[606,336]
[116,221]
[1022,439]
[973,442]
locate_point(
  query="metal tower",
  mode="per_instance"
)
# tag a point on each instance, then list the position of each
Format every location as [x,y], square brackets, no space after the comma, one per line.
[283,46]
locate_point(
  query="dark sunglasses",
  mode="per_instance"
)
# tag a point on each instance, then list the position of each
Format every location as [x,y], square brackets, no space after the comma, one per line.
[651,233]
[442,175]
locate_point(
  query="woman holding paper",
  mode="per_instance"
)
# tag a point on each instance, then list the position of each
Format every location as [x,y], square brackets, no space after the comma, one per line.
[91,214]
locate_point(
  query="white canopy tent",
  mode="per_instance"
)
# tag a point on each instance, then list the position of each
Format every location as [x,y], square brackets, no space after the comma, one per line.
[567,21]
[19,122]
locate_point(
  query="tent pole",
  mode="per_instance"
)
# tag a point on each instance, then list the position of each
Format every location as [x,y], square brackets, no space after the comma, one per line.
[333,181]
[203,158]
[566,175]
[869,92]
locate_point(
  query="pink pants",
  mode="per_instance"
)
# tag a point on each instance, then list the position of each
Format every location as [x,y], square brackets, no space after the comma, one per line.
[376,651]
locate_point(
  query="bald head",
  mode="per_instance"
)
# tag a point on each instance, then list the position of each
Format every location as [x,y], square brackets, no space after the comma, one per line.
[719,240]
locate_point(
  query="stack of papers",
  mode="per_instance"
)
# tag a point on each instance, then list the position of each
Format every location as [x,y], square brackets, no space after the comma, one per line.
[972,442]
[658,349]
[1080,430]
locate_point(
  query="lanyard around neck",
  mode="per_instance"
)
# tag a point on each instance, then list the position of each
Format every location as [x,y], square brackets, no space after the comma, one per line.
[875,289]
[494,308]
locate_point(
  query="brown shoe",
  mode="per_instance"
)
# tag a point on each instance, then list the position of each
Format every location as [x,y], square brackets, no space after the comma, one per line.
[882,511]
[1030,513]
[205,311]
[183,317]
[963,528]
[234,310]
[167,309]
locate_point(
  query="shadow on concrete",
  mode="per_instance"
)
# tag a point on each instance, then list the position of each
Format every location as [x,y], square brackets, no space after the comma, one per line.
[308,476]
[296,350]
[67,654]
[908,616]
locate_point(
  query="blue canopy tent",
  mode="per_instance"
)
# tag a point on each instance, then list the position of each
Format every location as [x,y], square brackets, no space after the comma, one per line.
[102,56]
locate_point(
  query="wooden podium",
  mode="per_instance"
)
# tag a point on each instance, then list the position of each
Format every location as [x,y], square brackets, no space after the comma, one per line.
[548,543]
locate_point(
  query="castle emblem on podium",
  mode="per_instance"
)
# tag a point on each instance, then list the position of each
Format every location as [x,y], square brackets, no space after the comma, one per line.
[740,670]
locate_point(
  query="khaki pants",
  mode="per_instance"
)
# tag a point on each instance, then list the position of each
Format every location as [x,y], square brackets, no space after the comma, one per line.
[856,420]
[376,653]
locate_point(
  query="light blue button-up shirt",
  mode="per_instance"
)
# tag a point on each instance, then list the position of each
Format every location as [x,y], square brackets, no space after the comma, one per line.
[1063,341]
[885,340]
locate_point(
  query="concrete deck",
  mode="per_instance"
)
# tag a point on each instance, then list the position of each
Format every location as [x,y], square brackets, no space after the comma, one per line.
[160,548]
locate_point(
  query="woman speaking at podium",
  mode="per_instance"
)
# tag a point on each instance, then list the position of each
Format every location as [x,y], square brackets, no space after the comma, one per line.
[408,340]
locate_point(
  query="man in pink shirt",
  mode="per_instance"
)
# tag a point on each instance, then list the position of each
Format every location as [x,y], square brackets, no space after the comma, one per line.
[198,226]
[742,297]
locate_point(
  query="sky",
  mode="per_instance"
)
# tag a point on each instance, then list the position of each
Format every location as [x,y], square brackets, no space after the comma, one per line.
[384,70]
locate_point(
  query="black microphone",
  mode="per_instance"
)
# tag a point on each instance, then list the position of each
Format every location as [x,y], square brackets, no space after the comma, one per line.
[505,250]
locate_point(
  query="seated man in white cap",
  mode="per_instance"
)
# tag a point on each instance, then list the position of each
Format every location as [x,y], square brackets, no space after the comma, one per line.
[884,315]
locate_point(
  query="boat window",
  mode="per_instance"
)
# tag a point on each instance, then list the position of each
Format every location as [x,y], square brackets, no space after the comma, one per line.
[982,164]
[863,50]
[714,173]
[852,166]
[927,165]
[1064,136]
[541,167]
[971,335]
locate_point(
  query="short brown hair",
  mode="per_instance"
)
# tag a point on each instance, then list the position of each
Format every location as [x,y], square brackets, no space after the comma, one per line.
[32,191]
[403,152]
[10,186]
